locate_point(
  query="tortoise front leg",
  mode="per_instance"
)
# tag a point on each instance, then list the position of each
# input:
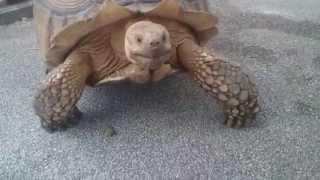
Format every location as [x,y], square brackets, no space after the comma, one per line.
[57,95]
[224,80]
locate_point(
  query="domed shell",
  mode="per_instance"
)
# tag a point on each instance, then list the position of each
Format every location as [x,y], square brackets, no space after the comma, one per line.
[53,16]
[61,24]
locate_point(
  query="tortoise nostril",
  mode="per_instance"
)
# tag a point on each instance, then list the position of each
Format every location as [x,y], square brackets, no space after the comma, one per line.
[154,43]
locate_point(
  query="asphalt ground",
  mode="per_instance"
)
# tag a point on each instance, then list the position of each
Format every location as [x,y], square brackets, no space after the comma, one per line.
[173,130]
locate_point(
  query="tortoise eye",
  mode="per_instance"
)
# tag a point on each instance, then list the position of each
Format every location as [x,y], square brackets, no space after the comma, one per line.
[139,39]
[164,37]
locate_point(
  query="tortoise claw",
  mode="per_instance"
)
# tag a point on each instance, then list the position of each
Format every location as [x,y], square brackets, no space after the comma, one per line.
[70,121]
[47,127]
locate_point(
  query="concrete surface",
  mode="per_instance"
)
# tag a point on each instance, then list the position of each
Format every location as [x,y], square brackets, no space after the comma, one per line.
[172,130]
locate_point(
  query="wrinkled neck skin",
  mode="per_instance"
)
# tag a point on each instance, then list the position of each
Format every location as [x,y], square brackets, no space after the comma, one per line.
[147,45]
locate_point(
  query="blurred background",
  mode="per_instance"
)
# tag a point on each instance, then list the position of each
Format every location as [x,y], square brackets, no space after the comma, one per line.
[14,10]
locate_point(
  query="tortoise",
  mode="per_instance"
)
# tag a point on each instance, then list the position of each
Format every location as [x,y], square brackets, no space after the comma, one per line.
[93,42]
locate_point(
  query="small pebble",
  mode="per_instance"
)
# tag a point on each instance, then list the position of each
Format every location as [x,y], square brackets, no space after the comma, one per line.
[109,132]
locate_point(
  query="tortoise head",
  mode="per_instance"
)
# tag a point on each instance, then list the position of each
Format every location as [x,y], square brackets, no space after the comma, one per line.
[147,44]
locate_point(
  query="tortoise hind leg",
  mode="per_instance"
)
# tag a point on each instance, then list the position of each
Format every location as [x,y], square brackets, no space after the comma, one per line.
[55,101]
[225,81]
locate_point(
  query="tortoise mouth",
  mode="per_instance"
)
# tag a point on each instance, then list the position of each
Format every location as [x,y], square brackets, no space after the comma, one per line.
[151,62]
[151,56]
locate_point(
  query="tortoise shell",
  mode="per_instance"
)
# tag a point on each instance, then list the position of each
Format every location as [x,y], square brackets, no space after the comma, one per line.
[61,24]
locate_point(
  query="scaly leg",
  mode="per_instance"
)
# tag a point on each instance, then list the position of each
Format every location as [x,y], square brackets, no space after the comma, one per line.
[57,95]
[224,80]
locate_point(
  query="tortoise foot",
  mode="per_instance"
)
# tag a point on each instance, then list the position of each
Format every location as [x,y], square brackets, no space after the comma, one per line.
[71,120]
[56,98]
[225,81]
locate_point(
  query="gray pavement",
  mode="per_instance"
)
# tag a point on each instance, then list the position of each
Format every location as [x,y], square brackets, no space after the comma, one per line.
[173,130]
